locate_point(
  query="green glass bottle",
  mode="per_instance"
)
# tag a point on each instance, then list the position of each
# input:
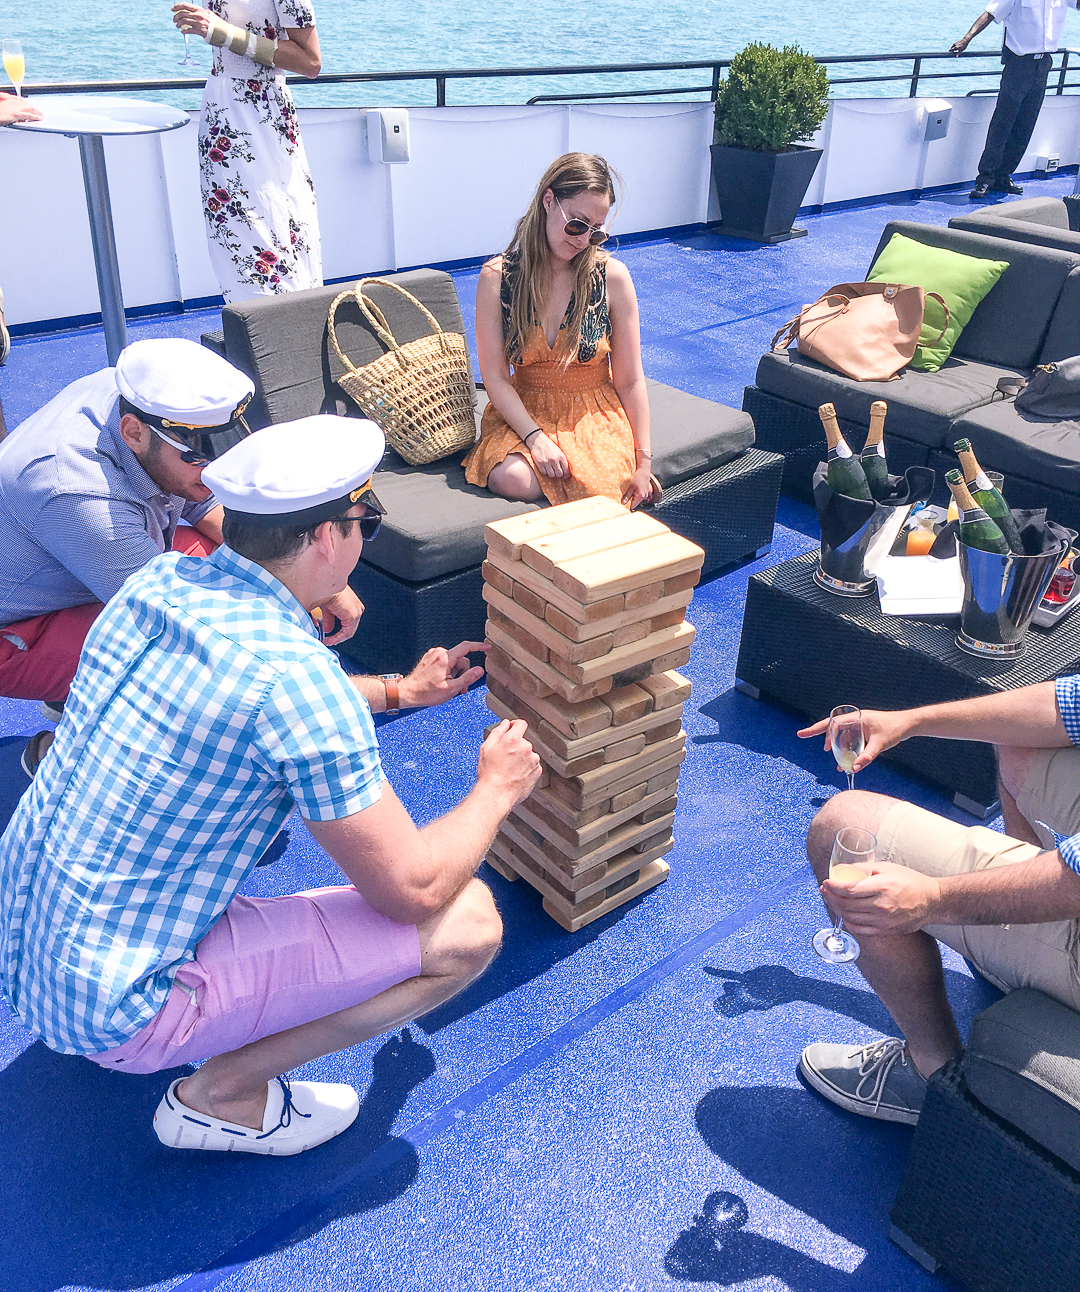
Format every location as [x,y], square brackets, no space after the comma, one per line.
[976,527]
[845,473]
[991,500]
[873,455]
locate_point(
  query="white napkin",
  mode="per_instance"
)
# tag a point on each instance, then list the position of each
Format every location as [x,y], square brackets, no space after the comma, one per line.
[920,585]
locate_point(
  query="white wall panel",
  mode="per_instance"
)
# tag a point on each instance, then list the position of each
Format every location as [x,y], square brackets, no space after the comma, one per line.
[472,173]
[879,142]
[660,149]
[180,154]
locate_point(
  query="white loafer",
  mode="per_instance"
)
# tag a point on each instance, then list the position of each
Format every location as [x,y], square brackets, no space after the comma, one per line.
[299,1115]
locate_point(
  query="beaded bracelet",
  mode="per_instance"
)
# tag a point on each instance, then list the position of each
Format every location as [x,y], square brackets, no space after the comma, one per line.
[260,49]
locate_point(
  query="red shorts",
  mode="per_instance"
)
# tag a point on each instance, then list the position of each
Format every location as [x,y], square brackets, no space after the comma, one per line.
[39,656]
[267,965]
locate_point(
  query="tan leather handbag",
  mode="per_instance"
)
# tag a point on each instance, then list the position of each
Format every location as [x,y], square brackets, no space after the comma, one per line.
[867,331]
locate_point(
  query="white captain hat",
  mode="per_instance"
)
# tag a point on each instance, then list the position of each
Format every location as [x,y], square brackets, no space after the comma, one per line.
[299,473]
[186,390]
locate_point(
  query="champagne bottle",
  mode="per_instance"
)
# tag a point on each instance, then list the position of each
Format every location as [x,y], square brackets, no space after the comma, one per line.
[845,474]
[986,496]
[873,454]
[976,527]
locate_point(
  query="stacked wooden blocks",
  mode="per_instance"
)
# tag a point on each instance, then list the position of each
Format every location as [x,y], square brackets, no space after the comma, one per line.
[586,625]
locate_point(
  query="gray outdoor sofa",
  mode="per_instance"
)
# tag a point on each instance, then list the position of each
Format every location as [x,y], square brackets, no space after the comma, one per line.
[1045,221]
[420,580]
[1031,316]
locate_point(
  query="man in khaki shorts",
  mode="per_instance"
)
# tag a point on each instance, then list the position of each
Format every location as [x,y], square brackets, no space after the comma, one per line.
[1010,903]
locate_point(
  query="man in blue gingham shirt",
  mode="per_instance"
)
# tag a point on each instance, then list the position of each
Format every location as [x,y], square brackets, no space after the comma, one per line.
[1008,902]
[203,709]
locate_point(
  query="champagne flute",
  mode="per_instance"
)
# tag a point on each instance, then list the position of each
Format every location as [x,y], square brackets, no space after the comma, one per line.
[14,64]
[847,738]
[187,60]
[853,849]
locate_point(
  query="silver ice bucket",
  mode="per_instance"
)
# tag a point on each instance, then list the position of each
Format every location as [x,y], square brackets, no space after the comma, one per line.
[849,569]
[1001,594]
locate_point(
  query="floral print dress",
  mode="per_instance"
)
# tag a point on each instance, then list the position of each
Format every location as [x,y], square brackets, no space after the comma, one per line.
[258,198]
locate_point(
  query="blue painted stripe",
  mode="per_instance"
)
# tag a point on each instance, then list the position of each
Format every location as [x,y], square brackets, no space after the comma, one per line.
[276,1232]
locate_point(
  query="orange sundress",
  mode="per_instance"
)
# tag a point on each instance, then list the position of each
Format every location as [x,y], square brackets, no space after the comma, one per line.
[576,406]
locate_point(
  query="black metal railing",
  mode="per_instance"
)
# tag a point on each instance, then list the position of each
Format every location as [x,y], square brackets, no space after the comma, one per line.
[913,76]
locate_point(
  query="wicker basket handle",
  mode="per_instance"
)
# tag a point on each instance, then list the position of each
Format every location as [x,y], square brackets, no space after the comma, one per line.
[371,310]
[347,363]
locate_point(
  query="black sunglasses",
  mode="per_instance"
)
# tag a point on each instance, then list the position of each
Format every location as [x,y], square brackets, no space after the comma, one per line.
[370,524]
[199,448]
[574,228]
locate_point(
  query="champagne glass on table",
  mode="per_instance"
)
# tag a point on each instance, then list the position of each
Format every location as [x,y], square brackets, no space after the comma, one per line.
[847,738]
[854,848]
[14,64]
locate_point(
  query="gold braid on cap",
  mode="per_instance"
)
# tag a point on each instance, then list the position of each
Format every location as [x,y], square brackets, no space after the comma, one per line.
[208,426]
[358,493]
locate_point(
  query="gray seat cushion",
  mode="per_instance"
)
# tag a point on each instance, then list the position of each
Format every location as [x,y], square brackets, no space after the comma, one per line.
[1040,220]
[1023,1063]
[1005,440]
[1063,338]
[1010,323]
[283,344]
[691,435]
[435,519]
[922,405]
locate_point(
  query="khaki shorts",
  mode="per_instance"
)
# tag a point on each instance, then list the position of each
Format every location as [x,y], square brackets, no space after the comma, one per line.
[1043,956]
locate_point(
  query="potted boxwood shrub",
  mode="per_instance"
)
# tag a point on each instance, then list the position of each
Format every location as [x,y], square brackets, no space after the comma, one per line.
[771,99]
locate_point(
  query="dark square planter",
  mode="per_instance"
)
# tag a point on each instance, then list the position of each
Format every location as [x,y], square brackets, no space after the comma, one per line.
[760,193]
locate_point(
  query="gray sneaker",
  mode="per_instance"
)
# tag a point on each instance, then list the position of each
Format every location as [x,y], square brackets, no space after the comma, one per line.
[877,1080]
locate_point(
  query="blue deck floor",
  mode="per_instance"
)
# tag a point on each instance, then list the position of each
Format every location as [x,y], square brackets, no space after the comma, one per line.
[568,1121]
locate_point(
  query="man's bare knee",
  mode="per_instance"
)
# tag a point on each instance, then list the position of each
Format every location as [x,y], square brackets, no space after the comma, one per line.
[462,939]
[852,807]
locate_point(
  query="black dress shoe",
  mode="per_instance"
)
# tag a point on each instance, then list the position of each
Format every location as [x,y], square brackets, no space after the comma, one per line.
[979,192]
[1007,187]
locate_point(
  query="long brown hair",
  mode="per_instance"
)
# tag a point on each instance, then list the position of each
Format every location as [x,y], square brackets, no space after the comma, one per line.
[567,176]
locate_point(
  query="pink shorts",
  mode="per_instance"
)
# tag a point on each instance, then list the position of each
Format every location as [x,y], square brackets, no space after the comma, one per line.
[267,965]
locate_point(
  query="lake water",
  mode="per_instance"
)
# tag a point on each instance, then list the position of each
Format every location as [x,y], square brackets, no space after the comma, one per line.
[117,40]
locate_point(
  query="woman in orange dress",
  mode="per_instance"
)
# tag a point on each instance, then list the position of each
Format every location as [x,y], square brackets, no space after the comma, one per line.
[559,344]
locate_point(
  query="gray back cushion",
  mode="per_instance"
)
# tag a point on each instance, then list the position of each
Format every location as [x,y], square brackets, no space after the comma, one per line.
[1063,338]
[1023,1063]
[282,342]
[1011,322]
[1043,221]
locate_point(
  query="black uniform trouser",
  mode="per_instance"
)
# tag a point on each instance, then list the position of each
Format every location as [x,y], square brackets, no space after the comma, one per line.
[1023,84]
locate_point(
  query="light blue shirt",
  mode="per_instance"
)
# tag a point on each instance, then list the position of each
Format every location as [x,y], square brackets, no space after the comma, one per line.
[78,514]
[203,708]
[1068,702]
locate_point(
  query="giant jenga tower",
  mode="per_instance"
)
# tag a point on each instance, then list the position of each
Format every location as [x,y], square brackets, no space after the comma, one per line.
[586,623]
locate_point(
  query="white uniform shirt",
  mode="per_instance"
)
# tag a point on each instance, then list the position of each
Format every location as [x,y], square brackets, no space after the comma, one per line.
[1031,26]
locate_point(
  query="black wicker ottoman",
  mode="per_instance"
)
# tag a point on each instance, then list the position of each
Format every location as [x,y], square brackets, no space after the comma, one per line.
[813,650]
[984,1201]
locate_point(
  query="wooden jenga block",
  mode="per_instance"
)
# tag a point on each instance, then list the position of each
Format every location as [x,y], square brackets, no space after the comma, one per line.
[511,611]
[627,704]
[506,537]
[553,596]
[573,871]
[531,645]
[643,598]
[624,569]
[677,659]
[624,624]
[626,798]
[656,810]
[573,721]
[510,705]
[497,864]
[666,620]
[578,891]
[561,766]
[667,689]
[527,599]
[649,876]
[540,679]
[668,729]
[567,748]
[544,812]
[494,578]
[544,554]
[657,646]
[682,582]
[622,749]
[592,787]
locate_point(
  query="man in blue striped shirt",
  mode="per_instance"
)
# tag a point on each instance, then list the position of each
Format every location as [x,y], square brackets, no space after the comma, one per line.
[203,710]
[1008,902]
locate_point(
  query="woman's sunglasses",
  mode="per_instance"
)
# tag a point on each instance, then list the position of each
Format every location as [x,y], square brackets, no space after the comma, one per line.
[575,228]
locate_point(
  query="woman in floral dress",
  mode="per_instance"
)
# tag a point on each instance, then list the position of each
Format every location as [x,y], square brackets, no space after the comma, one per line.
[261,221]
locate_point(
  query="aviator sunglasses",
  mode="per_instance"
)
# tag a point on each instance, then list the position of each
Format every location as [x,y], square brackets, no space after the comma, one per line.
[574,228]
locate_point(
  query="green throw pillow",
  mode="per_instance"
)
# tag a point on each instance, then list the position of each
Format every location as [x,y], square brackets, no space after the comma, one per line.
[961,280]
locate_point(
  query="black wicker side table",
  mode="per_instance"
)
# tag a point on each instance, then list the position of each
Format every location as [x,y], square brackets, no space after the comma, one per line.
[813,650]
[983,1200]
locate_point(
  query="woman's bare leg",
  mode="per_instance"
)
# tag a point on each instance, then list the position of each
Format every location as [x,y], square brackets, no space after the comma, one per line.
[513,478]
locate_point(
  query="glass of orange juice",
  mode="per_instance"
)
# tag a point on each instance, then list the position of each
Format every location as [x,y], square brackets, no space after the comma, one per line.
[14,63]
[854,849]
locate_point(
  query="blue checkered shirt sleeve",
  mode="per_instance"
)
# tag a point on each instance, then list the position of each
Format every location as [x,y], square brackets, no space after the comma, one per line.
[1068,703]
[316,731]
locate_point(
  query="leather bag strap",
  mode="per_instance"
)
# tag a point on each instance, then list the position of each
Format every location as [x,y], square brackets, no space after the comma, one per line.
[941,302]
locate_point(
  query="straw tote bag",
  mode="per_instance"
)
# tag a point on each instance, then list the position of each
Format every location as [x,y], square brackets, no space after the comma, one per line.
[867,331]
[419,393]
